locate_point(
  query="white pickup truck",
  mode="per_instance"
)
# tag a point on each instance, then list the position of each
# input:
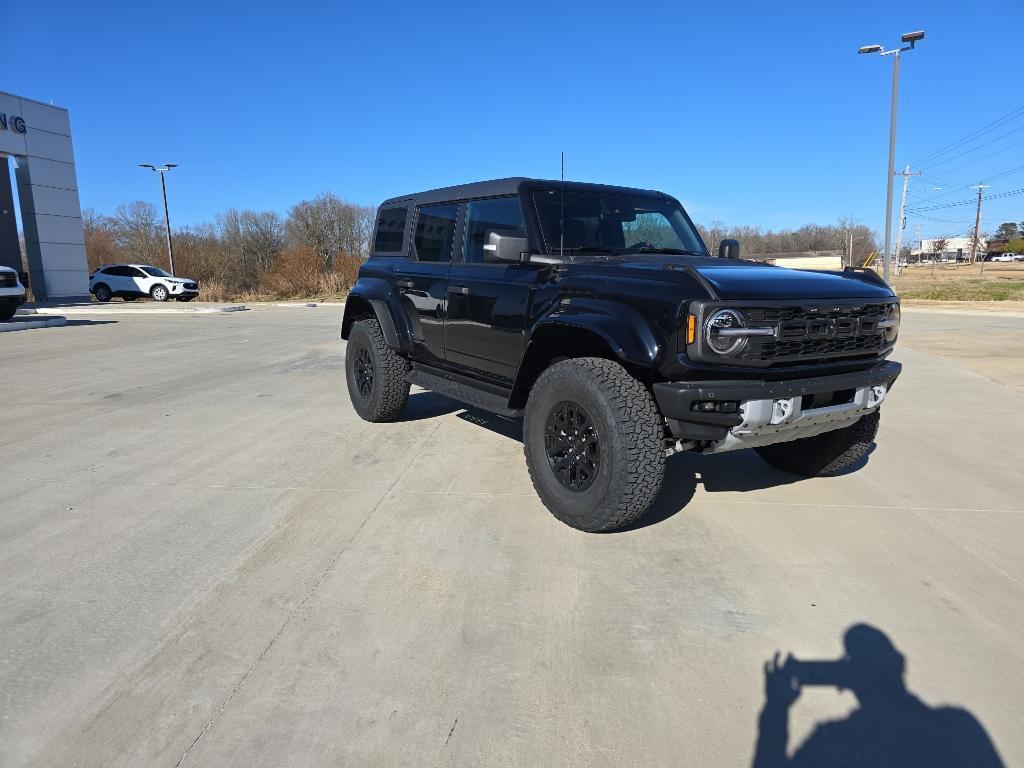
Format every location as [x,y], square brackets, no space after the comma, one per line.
[12,293]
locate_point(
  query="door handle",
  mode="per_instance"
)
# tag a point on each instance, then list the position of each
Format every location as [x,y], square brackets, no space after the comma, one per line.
[458,289]
[405,283]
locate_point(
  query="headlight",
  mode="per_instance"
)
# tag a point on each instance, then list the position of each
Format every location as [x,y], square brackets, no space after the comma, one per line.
[891,324]
[719,332]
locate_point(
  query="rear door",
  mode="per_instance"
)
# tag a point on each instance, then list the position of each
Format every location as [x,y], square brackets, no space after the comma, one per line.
[421,278]
[117,278]
[488,300]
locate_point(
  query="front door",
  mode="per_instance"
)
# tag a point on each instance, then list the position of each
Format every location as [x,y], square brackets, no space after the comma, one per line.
[488,300]
[422,277]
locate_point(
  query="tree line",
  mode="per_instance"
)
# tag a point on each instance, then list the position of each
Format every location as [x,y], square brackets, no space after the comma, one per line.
[316,249]
[313,251]
[756,241]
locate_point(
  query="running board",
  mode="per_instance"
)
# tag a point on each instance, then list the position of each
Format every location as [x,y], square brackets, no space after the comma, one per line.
[445,383]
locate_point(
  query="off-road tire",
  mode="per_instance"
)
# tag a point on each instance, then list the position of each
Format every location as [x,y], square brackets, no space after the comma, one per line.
[827,453]
[159,293]
[102,293]
[389,390]
[630,441]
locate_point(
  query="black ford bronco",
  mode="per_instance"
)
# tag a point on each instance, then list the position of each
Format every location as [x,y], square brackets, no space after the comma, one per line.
[597,315]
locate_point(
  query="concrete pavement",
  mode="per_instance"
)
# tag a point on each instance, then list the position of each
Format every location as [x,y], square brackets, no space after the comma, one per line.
[207,559]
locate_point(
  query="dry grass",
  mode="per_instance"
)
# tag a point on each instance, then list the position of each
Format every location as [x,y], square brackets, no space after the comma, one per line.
[998,282]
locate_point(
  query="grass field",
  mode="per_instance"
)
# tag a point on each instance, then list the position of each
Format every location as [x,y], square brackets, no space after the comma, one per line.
[998,282]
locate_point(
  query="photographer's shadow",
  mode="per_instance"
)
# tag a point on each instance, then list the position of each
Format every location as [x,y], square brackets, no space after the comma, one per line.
[890,727]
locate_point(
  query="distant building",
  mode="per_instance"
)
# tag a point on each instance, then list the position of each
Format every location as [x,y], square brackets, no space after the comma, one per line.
[956,248]
[995,247]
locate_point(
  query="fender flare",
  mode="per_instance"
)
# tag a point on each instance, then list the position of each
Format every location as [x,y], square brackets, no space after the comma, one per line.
[383,299]
[624,330]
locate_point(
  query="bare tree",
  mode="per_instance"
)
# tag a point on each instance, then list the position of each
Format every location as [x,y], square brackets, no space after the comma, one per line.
[254,237]
[137,232]
[100,239]
[330,227]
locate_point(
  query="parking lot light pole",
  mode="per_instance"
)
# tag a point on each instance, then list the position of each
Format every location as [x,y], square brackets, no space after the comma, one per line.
[910,38]
[167,219]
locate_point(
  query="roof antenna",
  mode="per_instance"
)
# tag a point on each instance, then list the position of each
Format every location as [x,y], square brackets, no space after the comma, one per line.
[561,221]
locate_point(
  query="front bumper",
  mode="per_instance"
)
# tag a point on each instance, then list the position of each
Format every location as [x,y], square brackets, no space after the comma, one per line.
[749,414]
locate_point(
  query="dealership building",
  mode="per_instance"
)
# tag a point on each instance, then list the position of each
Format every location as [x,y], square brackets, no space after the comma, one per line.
[37,160]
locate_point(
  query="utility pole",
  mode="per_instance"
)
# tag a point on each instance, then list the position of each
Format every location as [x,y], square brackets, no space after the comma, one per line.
[977,229]
[906,174]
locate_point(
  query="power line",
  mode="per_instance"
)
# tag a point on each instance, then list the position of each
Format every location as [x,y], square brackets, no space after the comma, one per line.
[975,149]
[969,202]
[985,157]
[975,134]
[959,186]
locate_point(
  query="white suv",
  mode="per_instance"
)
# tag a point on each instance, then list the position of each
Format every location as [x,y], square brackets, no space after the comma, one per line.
[130,281]
[12,293]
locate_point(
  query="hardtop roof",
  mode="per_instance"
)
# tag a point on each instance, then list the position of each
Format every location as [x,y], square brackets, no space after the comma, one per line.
[510,186]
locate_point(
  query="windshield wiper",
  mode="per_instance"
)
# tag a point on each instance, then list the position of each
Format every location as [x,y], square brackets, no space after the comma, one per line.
[673,251]
[586,249]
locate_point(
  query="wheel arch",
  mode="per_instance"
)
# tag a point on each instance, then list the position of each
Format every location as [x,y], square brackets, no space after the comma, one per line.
[375,298]
[579,335]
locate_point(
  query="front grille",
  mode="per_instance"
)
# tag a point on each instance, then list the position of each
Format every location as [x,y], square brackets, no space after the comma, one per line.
[191,286]
[805,333]
[809,333]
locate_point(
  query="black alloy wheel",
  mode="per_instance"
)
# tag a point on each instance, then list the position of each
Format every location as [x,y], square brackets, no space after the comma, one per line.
[572,446]
[364,373]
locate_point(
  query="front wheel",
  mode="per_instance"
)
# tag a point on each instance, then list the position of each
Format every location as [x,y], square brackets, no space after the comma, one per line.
[594,444]
[159,293]
[375,374]
[7,312]
[825,454]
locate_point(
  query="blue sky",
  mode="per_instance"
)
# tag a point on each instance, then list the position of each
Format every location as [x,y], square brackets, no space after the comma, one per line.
[751,113]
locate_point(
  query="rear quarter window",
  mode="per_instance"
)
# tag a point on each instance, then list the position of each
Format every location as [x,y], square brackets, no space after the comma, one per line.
[390,230]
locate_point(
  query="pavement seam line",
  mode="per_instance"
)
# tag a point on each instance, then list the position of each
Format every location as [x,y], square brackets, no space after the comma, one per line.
[294,611]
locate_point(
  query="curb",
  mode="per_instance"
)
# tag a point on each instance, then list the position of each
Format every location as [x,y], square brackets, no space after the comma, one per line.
[54,321]
[130,310]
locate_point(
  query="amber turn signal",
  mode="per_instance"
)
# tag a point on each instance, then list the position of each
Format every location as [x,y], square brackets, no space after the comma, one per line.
[691,329]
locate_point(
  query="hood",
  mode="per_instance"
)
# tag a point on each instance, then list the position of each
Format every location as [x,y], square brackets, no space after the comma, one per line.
[747,280]
[737,280]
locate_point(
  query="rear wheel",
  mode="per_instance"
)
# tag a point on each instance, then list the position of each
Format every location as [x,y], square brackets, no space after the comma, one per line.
[824,454]
[103,293]
[375,374]
[594,444]
[159,293]
[129,298]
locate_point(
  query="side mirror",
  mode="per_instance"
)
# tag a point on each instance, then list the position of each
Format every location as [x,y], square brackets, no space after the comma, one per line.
[506,247]
[729,249]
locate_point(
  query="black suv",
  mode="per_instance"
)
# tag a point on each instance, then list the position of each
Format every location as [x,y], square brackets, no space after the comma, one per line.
[597,314]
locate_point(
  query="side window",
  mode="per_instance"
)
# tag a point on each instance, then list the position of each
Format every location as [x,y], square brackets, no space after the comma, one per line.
[136,272]
[118,271]
[390,230]
[503,215]
[435,232]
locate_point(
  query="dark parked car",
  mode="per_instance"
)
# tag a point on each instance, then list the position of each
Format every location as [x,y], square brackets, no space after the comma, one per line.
[597,315]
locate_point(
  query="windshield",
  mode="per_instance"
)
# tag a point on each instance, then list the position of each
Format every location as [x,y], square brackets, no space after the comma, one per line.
[615,223]
[156,272]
